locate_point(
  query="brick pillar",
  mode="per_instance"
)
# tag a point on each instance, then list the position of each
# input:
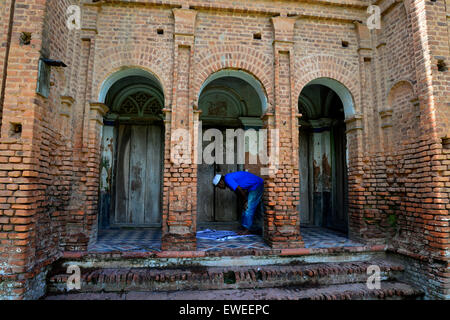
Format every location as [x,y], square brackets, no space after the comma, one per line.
[356,197]
[96,113]
[361,136]
[282,219]
[81,223]
[366,83]
[180,175]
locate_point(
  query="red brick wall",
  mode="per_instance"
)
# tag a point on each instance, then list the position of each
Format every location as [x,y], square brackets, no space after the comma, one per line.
[404,191]
[5,27]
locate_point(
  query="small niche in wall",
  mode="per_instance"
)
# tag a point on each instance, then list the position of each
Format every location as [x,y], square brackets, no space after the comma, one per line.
[344,44]
[442,66]
[257,36]
[15,130]
[160,31]
[25,38]
[446,143]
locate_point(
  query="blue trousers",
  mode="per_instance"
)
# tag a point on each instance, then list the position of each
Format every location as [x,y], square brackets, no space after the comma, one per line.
[253,202]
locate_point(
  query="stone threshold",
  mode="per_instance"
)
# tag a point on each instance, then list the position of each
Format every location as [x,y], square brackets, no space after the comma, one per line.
[225,253]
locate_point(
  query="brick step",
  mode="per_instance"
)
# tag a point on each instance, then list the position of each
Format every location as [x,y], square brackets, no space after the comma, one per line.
[390,290]
[217,278]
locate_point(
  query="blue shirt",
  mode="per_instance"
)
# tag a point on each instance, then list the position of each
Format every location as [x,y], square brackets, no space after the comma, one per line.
[243,179]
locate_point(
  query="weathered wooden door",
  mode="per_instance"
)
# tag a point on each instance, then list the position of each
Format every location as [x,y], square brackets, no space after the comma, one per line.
[338,216]
[138,176]
[305,179]
[215,204]
[226,205]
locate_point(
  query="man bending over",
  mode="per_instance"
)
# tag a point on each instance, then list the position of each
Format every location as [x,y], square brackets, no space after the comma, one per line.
[242,182]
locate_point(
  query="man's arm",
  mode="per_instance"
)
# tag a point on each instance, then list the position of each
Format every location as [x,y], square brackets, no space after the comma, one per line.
[237,189]
[241,193]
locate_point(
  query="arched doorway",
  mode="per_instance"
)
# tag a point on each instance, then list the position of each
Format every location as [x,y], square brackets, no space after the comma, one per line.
[132,151]
[230,100]
[323,155]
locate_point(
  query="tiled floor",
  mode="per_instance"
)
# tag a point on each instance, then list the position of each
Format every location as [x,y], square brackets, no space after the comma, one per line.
[315,237]
[144,240]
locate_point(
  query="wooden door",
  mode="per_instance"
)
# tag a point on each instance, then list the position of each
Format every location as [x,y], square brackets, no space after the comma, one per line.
[339,216]
[138,176]
[305,187]
[226,205]
[214,204]
[205,193]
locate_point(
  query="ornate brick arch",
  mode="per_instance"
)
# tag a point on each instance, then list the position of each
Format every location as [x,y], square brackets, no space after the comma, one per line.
[218,58]
[118,58]
[311,68]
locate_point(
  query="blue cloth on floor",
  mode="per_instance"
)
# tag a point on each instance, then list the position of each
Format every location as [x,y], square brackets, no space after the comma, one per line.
[218,235]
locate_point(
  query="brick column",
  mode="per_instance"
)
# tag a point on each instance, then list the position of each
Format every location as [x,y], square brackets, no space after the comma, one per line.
[95,129]
[81,223]
[282,219]
[365,53]
[180,174]
[356,197]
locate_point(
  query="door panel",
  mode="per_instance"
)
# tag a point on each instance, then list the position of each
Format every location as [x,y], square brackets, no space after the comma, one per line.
[304,150]
[205,193]
[138,176]
[214,204]
[122,175]
[153,179]
[205,190]
[226,200]
[338,219]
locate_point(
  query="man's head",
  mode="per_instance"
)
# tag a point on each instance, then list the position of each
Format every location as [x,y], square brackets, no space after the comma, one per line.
[219,182]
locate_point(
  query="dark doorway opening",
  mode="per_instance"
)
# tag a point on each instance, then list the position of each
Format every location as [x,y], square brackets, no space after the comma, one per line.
[228,104]
[322,159]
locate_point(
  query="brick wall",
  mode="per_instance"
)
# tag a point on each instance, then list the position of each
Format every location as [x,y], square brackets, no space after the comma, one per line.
[5,27]
[404,190]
